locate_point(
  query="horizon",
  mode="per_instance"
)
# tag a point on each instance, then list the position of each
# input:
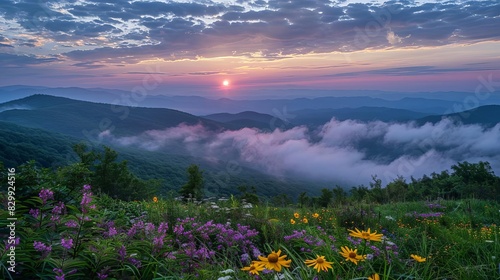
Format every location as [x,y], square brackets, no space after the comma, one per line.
[259,49]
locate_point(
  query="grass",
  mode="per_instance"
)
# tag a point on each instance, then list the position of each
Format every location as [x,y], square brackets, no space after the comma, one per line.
[171,239]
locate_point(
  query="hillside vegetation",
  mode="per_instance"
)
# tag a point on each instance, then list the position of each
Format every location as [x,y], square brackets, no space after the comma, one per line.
[66,230]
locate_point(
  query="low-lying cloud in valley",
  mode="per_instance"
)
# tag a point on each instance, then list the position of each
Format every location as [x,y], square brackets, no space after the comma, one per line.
[341,152]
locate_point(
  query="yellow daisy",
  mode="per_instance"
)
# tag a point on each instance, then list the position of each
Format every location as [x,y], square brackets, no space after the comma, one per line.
[274,261]
[351,255]
[373,236]
[254,268]
[305,220]
[292,221]
[296,215]
[418,258]
[315,215]
[319,263]
[155,199]
[374,277]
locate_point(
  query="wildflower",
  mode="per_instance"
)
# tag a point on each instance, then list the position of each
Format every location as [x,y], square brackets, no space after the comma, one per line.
[112,231]
[42,248]
[296,215]
[60,275]
[227,271]
[86,188]
[155,199]
[274,261]
[35,213]
[304,220]
[374,277]
[315,215]
[71,224]
[292,221]
[319,263]
[254,268]
[351,255]
[67,243]
[417,258]
[367,235]
[46,194]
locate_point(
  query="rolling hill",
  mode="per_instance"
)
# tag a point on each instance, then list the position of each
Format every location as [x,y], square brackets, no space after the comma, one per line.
[21,144]
[317,117]
[487,116]
[87,120]
[248,119]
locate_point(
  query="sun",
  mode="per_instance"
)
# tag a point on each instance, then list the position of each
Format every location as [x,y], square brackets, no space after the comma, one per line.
[225,83]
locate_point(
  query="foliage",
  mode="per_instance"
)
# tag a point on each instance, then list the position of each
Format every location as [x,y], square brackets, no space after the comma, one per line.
[194,186]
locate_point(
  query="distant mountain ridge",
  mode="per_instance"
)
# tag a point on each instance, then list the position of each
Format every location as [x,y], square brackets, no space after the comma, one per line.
[429,103]
[84,119]
[487,116]
[317,117]
[248,119]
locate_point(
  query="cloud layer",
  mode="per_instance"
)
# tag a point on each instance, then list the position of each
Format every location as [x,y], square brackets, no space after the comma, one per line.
[111,31]
[345,152]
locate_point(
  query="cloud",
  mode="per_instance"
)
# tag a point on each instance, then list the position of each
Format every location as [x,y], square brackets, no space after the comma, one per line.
[345,152]
[393,39]
[180,30]
[12,60]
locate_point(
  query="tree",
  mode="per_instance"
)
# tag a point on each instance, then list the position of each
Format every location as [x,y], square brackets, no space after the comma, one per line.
[325,198]
[112,177]
[248,194]
[339,195]
[303,199]
[359,193]
[194,187]
[396,190]
[376,192]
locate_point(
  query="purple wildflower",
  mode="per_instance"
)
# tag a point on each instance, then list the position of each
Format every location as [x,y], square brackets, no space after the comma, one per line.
[112,231]
[122,253]
[71,224]
[42,248]
[45,195]
[87,188]
[67,243]
[60,275]
[35,213]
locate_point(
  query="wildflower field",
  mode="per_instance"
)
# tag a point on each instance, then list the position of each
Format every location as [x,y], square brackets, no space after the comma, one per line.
[89,236]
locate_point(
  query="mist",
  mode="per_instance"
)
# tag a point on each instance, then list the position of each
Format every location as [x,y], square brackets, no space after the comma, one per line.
[346,152]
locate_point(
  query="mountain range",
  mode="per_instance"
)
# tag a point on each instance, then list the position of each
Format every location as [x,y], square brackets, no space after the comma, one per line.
[44,127]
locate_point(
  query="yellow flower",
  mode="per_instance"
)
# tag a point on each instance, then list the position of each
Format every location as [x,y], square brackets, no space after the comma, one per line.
[373,236]
[155,199]
[351,255]
[418,258]
[319,263]
[274,261]
[296,215]
[304,220]
[254,268]
[315,215]
[374,277]
[292,221]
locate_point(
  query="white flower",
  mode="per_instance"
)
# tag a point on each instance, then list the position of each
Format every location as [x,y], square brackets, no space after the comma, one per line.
[227,271]
[390,218]
[225,278]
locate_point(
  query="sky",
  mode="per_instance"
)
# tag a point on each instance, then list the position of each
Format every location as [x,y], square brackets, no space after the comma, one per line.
[234,47]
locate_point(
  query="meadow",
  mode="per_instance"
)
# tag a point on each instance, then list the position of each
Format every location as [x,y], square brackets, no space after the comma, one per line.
[87,235]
